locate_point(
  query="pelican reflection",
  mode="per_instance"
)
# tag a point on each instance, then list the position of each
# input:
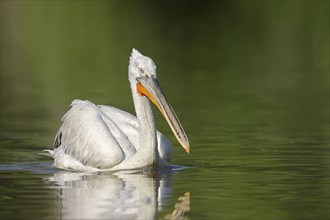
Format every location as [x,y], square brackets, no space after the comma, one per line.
[111,196]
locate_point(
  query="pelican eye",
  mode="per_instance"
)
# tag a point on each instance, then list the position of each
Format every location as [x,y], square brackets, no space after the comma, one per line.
[141,71]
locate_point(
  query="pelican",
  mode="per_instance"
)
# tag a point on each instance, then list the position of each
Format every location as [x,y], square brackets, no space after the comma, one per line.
[104,138]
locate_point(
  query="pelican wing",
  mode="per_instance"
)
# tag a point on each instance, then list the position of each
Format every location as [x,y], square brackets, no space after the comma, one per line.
[129,123]
[93,138]
[125,122]
[88,137]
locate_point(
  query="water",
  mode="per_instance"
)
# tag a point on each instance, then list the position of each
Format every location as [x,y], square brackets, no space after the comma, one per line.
[248,80]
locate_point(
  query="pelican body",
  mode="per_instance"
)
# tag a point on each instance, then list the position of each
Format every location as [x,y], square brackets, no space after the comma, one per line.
[104,138]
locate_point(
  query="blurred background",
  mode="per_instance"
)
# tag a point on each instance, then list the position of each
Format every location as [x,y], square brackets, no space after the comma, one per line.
[249,81]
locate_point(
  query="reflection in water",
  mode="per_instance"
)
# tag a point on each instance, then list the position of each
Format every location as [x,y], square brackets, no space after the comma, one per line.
[180,208]
[114,196]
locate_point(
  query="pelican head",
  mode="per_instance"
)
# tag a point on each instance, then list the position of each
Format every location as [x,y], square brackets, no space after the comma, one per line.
[142,75]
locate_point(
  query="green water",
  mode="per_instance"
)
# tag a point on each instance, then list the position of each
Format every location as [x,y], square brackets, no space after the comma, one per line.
[249,81]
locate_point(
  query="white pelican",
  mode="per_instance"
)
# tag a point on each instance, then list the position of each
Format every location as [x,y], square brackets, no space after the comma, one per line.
[99,138]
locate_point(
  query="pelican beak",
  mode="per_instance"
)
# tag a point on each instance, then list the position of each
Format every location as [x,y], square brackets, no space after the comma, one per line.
[149,87]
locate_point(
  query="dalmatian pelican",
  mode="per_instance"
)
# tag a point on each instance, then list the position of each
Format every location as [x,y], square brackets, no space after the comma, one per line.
[104,138]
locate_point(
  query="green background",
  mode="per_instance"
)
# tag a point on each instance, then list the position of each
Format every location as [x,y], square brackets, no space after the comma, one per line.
[249,81]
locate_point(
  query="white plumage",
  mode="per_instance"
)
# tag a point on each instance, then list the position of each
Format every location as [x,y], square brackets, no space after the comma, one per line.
[98,138]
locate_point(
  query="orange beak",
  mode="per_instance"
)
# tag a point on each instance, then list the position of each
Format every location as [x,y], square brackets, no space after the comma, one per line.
[150,88]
